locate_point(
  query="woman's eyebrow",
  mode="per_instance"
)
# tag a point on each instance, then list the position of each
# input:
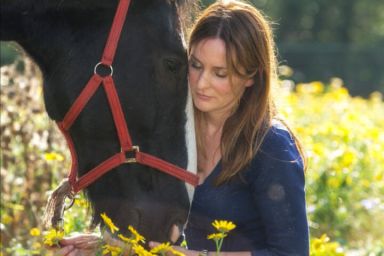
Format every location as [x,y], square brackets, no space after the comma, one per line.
[194,58]
[220,68]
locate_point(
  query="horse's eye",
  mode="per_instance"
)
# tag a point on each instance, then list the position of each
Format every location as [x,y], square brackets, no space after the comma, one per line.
[172,65]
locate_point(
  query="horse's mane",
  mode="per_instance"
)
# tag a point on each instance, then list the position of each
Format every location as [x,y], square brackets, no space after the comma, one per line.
[188,10]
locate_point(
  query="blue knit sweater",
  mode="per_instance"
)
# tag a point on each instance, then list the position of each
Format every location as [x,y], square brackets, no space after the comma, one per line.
[267,204]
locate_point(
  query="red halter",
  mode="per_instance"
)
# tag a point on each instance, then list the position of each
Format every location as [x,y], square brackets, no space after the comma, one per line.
[118,117]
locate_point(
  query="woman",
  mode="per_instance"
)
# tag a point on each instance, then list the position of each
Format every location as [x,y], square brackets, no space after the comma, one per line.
[250,166]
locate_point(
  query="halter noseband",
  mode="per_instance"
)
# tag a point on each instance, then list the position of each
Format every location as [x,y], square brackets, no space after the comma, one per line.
[129,153]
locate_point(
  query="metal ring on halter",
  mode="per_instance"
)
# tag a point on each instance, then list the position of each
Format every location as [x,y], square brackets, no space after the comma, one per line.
[131,158]
[100,63]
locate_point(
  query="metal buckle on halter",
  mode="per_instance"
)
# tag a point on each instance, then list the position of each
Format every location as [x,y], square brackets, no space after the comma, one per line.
[130,155]
[72,197]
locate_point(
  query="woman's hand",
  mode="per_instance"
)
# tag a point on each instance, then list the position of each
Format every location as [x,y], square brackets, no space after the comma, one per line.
[78,245]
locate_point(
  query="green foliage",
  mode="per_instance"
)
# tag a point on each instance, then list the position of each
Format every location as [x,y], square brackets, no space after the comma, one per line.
[323,21]
[325,38]
[34,159]
[8,53]
[323,247]
[343,138]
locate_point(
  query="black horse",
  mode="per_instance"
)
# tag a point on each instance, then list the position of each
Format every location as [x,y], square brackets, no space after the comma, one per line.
[66,39]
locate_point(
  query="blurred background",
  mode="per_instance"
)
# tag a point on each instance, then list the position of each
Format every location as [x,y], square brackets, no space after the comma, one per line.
[331,93]
[321,39]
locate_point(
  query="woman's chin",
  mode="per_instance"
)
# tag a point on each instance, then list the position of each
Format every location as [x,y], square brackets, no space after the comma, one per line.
[203,107]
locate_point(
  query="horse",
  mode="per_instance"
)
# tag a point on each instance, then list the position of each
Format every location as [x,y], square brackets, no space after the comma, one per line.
[66,38]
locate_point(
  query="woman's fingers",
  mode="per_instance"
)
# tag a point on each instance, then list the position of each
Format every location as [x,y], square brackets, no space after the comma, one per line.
[65,251]
[153,244]
[82,241]
[75,252]
[70,250]
[78,245]
[113,241]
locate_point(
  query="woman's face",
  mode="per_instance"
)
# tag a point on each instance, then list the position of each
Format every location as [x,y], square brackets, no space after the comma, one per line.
[210,84]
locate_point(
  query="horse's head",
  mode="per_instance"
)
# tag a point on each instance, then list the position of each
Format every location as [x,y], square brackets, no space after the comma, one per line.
[66,39]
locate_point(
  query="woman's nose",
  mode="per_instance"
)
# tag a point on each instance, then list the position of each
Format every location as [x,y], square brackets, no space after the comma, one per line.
[203,80]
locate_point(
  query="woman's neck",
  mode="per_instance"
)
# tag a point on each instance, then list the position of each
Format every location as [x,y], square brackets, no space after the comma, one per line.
[210,128]
[213,123]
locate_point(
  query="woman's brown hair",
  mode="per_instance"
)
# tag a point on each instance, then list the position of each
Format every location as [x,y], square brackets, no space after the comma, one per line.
[250,51]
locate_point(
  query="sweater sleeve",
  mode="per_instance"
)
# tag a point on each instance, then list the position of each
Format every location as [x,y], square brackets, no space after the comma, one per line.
[277,181]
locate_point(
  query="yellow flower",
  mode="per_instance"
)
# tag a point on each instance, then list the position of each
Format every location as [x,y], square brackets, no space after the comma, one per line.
[6,219]
[137,236]
[127,239]
[317,87]
[82,202]
[34,232]
[36,246]
[53,156]
[177,253]
[162,248]
[333,182]
[348,180]
[223,225]
[53,237]
[216,236]
[323,246]
[365,183]
[379,176]
[184,243]
[109,223]
[324,238]
[112,250]
[140,251]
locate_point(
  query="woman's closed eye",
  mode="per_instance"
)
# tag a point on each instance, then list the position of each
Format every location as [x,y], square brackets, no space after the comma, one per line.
[221,74]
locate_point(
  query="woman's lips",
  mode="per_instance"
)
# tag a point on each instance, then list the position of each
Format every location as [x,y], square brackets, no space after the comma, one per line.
[203,97]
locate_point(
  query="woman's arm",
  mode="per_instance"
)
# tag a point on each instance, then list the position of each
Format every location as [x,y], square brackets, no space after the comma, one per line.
[277,183]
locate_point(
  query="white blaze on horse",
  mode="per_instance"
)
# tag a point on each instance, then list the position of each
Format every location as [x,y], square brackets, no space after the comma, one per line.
[115,81]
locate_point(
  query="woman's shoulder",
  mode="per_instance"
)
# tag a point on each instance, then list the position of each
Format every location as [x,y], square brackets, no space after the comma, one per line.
[278,158]
[279,143]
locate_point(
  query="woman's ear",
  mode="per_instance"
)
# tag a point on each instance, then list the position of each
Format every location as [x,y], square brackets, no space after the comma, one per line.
[249,82]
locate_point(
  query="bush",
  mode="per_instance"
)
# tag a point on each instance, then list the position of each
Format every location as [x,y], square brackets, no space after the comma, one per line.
[344,141]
